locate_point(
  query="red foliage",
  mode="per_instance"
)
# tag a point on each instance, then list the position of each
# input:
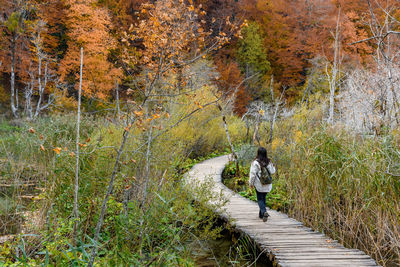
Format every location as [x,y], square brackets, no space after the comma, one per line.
[230,82]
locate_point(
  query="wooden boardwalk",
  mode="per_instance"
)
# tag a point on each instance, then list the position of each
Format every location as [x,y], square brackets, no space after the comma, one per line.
[285,241]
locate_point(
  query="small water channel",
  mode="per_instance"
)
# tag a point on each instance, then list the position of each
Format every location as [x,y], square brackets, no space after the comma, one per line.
[14,200]
[231,249]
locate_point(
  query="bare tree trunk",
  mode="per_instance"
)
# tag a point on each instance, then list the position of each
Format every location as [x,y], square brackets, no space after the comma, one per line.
[147,170]
[247,131]
[308,89]
[78,121]
[117,96]
[388,63]
[28,97]
[256,128]
[16,98]
[332,80]
[14,110]
[273,119]
[230,141]
[41,86]
[271,88]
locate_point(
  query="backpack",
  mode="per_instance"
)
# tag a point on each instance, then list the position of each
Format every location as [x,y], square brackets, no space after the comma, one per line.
[265,177]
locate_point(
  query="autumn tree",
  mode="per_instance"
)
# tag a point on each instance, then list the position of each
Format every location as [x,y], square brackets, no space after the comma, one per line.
[14,54]
[294,32]
[89,27]
[54,38]
[230,77]
[172,38]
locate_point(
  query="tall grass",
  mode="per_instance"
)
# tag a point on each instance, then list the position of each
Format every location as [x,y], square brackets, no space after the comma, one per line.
[343,184]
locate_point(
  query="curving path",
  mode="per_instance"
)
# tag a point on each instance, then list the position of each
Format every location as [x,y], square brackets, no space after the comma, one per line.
[286,241]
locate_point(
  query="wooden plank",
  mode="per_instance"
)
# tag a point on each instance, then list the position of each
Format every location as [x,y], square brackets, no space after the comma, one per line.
[315,250]
[324,257]
[344,262]
[331,264]
[292,253]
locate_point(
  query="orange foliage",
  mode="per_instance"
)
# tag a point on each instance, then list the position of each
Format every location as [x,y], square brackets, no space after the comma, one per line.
[52,12]
[171,36]
[89,27]
[168,31]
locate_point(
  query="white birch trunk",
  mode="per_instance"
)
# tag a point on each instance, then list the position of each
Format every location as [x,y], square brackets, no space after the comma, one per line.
[41,87]
[14,110]
[117,95]
[76,187]
[28,97]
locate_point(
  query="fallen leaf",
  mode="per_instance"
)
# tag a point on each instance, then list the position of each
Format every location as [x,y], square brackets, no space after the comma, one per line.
[138,113]
[57,150]
[31,130]
[42,148]
[82,145]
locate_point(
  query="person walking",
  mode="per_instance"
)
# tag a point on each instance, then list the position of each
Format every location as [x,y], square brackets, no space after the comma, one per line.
[260,178]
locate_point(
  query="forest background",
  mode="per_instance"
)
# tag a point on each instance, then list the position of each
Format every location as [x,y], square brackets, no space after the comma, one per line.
[93,93]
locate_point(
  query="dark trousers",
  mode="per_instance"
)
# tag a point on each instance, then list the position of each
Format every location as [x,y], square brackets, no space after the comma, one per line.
[261,203]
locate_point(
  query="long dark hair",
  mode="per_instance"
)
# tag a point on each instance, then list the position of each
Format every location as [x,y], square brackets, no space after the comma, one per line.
[262,157]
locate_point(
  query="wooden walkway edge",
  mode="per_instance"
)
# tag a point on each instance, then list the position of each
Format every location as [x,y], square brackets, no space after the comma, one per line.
[285,241]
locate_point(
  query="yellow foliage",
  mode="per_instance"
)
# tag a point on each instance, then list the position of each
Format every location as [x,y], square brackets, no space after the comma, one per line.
[297,136]
[67,103]
[276,143]
[204,131]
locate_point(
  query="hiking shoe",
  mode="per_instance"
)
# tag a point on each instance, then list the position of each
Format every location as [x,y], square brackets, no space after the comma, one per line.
[265,217]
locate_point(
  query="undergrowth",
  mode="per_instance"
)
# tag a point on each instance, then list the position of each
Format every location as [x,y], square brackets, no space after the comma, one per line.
[151,218]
